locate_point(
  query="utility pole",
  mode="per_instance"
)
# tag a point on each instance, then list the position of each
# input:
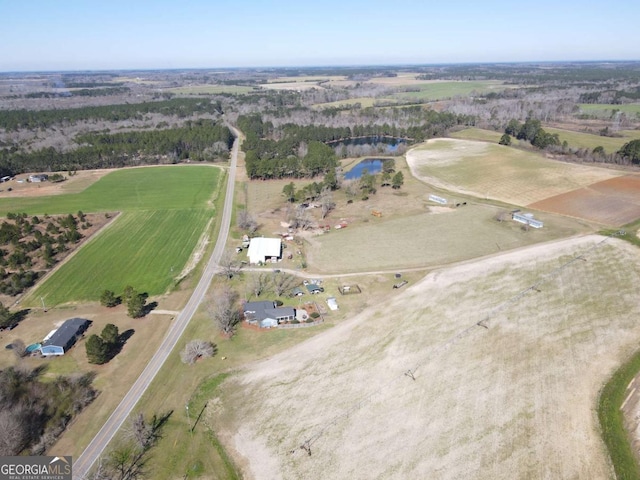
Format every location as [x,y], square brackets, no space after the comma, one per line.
[186,405]
[43,305]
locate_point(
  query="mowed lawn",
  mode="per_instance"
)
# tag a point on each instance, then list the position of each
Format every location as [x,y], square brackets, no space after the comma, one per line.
[164,212]
[495,171]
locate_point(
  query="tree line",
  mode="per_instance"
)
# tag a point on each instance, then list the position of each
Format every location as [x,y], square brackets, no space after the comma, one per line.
[31,119]
[199,140]
[531,131]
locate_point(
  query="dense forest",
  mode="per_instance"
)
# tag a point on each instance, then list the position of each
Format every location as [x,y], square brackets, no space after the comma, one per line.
[180,107]
[198,140]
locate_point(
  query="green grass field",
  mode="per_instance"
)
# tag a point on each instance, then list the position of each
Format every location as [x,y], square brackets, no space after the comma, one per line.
[442,90]
[164,211]
[574,139]
[605,110]
[591,141]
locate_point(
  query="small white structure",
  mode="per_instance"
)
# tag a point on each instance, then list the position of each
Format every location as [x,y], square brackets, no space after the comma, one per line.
[332,303]
[38,178]
[437,199]
[527,219]
[262,250]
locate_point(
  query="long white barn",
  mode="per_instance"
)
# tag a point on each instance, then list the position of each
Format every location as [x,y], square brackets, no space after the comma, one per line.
[262,250]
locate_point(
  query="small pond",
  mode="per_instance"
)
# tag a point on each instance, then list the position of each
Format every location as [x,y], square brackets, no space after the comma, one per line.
[391,143]
[371,165]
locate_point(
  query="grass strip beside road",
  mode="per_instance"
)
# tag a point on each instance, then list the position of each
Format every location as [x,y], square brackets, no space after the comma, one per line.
[611,419]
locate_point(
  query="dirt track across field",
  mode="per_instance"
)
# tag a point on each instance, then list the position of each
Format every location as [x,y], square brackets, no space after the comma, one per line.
[514,400]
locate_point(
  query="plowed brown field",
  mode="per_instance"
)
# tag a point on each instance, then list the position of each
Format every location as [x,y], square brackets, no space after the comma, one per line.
[615,201]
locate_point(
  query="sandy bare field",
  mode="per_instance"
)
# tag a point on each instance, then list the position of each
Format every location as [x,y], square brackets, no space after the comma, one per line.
[493,171]
[514,400]
[73,184]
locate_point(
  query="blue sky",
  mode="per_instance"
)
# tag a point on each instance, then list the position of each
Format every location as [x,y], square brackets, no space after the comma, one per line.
[142,34]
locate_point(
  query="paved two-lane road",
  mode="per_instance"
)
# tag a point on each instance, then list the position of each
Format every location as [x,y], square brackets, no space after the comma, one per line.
[93,451]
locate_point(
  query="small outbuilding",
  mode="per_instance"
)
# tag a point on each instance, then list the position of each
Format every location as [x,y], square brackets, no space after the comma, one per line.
[263,250]
[38,178]
[527,219]
[65,337]
[332,303]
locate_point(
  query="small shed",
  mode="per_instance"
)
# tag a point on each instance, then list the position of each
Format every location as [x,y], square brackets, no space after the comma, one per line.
[314,289]
[332,303]
[65,337]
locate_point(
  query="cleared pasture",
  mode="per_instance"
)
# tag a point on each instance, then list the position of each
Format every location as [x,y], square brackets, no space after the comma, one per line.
[477,134]
[363,101]
[498,172]
[211,89]
[591,141]
[438,90]
[515,400]
[144,249]
[426,240]
[605,110]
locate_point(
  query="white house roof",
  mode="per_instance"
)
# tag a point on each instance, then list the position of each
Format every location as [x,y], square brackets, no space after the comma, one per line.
[261,248]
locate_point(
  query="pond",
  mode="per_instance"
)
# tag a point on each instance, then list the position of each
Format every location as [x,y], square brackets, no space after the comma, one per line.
[391,143]
[371,165]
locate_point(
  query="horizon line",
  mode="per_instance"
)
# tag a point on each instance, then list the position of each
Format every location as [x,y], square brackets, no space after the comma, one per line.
[318,66]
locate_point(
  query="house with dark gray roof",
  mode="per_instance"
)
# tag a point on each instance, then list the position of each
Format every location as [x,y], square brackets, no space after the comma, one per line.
[267,314]
[65,337]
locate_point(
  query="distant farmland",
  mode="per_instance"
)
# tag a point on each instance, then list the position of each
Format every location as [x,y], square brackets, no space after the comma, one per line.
[442,90]
[164,212]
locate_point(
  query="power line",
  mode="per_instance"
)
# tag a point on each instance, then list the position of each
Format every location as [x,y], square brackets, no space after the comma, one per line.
[484,324]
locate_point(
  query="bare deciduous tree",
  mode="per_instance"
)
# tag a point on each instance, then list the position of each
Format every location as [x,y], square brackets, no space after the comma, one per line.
[247,221]
[223,310]
[229,264]
[326,201]
[196,349]
[298,217]
[258,283]
[282,282]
